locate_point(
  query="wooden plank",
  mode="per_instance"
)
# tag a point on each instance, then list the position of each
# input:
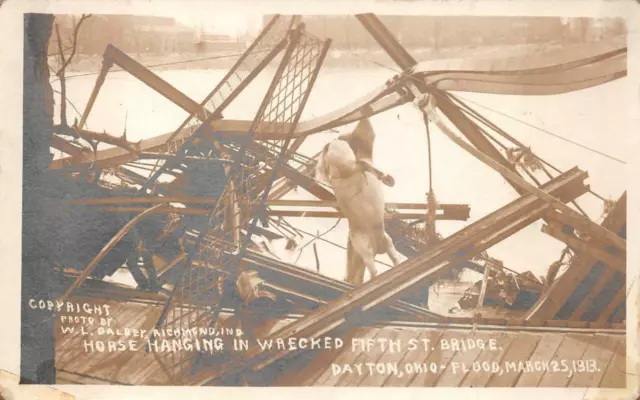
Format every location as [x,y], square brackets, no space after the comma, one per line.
[141,358]
[544,351]
[488,356]
[148,371]
[520,350]
[550,303]
[439,356]
[311,366]
[396,357]
[414,356]
[615,375]
[601,349]
[361,357]
[109,365]
[580,246]
[572,348]
[129,369]
[371,357]
[345,357]
[70,349]
[596,236]
[100,365]
[69,378]
[619,315]
[451,377]
[585,302]
[617,300]
[125,315]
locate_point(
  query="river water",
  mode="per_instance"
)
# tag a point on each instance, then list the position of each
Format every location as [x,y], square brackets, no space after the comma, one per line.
[596,118]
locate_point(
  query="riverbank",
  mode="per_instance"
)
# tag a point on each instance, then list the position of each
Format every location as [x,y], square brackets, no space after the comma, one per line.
[336,58]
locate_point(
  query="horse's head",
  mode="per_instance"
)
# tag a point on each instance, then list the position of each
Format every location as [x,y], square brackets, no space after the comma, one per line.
[337,160]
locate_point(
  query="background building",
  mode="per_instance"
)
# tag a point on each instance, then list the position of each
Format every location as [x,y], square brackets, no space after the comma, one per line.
[132,34]
[459,31]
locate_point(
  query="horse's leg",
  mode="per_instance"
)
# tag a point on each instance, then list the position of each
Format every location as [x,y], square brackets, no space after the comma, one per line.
[355,265]
[391,251]
[364,248]
[350,266]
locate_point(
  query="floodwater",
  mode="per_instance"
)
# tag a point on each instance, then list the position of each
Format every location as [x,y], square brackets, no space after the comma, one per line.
[595,117]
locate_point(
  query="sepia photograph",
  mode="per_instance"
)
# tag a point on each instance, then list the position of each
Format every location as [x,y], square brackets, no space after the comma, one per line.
[253,199]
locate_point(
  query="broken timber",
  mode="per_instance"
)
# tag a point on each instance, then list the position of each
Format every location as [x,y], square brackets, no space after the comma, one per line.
[562,289]
[461,246]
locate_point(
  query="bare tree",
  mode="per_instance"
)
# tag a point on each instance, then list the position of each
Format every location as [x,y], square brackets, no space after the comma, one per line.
[93,138]
[65,61]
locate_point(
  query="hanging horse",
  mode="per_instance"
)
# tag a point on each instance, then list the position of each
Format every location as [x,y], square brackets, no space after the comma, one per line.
[346,163]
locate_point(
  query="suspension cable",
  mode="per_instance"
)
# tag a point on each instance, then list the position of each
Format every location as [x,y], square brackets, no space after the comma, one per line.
[513,140]
[426,125]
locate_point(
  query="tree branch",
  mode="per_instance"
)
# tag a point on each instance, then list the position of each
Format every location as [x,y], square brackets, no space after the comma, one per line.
[65,61]
[74,46]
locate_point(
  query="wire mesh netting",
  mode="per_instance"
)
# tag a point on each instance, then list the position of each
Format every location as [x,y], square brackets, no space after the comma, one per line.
[216,248]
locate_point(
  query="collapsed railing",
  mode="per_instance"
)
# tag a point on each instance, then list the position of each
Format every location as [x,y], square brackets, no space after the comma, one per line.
[246,171]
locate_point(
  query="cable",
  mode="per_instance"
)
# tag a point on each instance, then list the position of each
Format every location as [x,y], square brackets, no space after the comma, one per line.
[338,245]
[169,63]
[548,133]
[426,125]
[316,237]
[517,143]
[501,132]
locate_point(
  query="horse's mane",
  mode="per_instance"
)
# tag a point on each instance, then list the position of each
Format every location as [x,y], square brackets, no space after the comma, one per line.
[321,171]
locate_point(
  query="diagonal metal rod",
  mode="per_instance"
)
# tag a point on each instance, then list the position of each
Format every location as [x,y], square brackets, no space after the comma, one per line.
[517,180]
[114,241]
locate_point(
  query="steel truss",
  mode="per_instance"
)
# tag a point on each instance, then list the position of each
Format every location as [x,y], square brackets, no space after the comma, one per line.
[254,163]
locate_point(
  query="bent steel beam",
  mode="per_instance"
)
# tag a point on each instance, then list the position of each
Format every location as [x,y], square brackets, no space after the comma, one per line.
[323,287]
[379,100]
[152,80]
[271,202]
[391,284]
[386,97]
[387,41]
[285,213]
[114,240]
